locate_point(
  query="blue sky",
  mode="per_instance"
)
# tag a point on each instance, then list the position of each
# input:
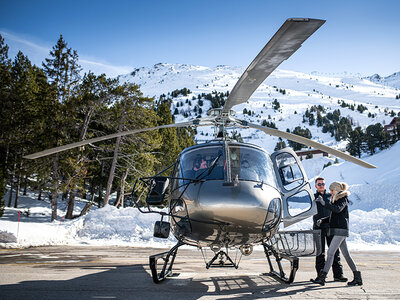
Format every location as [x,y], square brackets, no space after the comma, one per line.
[117,36]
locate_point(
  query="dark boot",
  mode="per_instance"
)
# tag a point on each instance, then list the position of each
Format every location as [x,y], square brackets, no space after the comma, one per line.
[340,278]
[357,279]
[320,279]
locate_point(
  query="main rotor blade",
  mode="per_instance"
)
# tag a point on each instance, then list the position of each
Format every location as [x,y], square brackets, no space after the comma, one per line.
[283,44]
[308,142]
[110,136]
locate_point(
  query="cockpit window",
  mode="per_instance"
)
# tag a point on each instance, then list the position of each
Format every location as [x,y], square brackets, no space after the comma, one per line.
[203,163]
[251,164]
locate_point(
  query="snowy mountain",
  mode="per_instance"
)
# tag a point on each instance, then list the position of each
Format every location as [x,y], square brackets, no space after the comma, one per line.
[391,80]
[302,91]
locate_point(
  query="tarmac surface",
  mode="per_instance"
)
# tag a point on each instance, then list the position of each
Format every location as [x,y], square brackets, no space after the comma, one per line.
[91,272]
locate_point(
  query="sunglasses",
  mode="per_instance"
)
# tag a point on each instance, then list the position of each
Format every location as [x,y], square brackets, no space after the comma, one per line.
[321,184]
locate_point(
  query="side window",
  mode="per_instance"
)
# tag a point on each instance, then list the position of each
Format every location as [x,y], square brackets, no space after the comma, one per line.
[299,203]
[289,171]
[273,214]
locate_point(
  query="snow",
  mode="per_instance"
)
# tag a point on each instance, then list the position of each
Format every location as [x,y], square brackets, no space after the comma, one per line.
[375,209]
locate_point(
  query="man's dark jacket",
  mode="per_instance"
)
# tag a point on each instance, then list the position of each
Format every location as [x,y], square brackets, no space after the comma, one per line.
[322,212]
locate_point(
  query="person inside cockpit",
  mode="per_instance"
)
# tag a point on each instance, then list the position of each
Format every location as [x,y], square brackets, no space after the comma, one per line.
[247,172]
[200,163]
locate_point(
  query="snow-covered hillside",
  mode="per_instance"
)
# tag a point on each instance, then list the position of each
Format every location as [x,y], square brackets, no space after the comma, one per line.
[301,92]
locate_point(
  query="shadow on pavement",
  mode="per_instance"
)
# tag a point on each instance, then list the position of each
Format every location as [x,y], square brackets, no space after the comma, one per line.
[135,282]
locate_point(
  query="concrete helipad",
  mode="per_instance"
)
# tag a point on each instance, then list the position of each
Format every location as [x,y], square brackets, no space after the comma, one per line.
[87,272]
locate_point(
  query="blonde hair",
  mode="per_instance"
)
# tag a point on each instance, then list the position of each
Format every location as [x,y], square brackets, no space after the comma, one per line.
[338,186]
[341,190]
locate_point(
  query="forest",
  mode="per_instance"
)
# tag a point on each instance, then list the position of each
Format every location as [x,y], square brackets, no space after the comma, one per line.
[55,104]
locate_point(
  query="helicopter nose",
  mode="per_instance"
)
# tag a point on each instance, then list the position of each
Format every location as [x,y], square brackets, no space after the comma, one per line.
[244,205]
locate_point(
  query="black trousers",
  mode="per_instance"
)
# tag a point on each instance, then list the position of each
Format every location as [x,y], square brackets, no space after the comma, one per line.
[320,259]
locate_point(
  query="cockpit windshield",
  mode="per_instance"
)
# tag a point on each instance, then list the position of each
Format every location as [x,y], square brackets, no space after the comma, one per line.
[203,163]
[251,164]
[209,163]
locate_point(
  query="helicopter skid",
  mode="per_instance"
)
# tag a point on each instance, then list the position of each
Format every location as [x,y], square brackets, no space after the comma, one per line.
[294,264]
[167,265]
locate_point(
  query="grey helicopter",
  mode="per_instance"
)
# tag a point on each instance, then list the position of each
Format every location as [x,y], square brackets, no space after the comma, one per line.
[225,195]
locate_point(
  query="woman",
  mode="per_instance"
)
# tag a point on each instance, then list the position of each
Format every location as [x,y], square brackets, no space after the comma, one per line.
[339,229]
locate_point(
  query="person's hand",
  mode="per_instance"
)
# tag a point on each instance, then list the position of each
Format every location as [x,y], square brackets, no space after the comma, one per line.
[320,200]
[319,221]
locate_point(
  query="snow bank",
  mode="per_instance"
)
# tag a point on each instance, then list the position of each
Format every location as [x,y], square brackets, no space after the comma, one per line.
[7,237]
[372,230]
[110,225]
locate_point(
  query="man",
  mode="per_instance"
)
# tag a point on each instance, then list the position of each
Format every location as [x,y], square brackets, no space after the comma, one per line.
[322,213]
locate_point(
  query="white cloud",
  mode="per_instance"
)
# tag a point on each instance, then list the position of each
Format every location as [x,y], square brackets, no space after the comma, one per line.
[37,53]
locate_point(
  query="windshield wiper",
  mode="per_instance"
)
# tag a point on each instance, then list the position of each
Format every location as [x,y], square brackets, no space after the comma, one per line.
[210,169]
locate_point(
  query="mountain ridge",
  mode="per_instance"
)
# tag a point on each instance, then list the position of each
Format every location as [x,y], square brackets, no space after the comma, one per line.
[302,91]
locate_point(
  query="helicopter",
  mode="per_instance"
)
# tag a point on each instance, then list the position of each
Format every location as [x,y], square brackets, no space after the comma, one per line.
[226,195]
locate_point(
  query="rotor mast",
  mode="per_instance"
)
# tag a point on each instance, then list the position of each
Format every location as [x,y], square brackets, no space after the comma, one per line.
[221,120]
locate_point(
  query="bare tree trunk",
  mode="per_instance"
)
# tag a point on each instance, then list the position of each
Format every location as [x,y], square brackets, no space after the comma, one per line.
[11,185]
[40,191]
[87,206]
[71,201]
[25,184]
[87,121]
[84,192]
[17,189]
[114,161]
[19,181]
[70,210]
[112,171]
[120,202]
[118,194]
[92,189]
[101,184]
[54,191]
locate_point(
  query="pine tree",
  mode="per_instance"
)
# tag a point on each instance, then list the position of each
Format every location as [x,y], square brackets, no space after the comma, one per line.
[302,132]
[5,113]
[373,137]
[170,147]
[62,70]
[319,119]
[280,145]
[355,142]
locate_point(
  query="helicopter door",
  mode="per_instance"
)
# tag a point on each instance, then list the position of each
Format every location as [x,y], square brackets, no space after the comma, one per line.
[298,198]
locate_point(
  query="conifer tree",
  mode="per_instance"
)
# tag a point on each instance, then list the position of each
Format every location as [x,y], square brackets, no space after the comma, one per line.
[5,113]
[302,132]
[373,137]
[355,142]
[62,70]
[170,146]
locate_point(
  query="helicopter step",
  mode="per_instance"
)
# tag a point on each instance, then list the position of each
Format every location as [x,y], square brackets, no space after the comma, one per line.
[291,245]
[167,265]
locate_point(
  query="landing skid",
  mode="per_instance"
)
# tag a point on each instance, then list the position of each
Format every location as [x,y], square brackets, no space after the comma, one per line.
[167,266]
[294,264]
